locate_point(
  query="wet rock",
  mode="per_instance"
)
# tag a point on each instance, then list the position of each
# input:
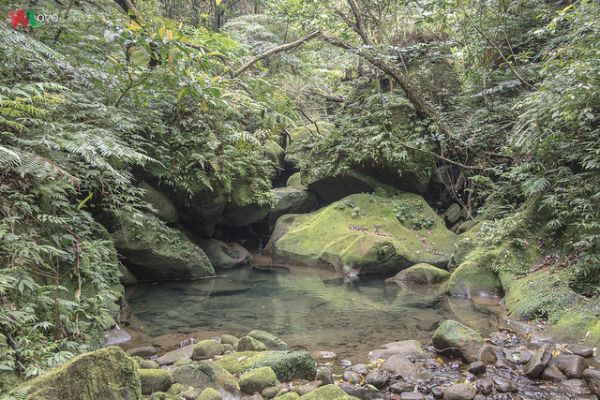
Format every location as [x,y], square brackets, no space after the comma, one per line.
[225,255]
[360,368]
[270,392]
[248,343]
[454,339]
[144,352]
[585,352]
[437,392]
[155,380]
[206,349]
[200,374]
[210,394]
[570,365]
[476,367]
[460,391]
[324,375]
[412,396]
[352,377]
[360,392]
[271,342]
[304,389]
[517,355]
[485,385]
[401,367]
[401,387]
[378,378]
[173,356]
[421,274]
[553,374]
[258,379]
[503,385]
[592,377]
[534,368]
[577,387]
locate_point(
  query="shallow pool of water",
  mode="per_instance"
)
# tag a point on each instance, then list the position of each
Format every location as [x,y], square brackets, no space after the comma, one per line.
[306,308]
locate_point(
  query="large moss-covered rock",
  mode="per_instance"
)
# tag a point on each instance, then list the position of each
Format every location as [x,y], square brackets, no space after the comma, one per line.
[421,274]
[153,251]
[206,349]
[248,343]
[287,365]
[255,380]
[454,339]
[107,374]
[165,209]
[330,188]
[368,233]
[328,392]
[225,255]
[155,380]
[474,278]
[200,374]
[546,294]
[271,341]
[290,200]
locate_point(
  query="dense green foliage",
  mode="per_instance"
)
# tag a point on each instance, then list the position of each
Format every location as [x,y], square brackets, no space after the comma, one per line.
[103,99]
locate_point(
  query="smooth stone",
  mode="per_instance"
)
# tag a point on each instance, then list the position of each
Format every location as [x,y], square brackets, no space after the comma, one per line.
[553,374]
[401,387]
[116,336]
[407,348]
[360,368]
[148,364]
[534,368]
[352,377]
[412,396]
[437,392]
[454,339]
[570,365]
[210,394]
[324,375]
[173,356]
[476,367]
[460,391]
[378,378]
[206,349]
[270,392]
[401,367]
[592,377]
[360,392]
[304,389]
[155,380]
[503,386]
[585,352]
[144,352]
[248,343]
[518,355]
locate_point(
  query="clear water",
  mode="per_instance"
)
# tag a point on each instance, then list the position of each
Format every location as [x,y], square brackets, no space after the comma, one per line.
[308,309]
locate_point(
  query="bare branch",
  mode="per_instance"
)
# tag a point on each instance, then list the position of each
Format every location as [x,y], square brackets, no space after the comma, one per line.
[275,50]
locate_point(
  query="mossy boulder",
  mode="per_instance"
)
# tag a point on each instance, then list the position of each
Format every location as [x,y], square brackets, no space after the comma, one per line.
[202,210]
[275,153]
[164,208]
[248,343]
[328,392]
[256,380]
[230,340]
[295,181]
[546,294]
[474,278]
[202,373]
[206,349]
[162,396]
[422,274]
[454,339]
[334,187]
[290,200]
[225,255]
[271,341]
[287,396]
[155,380]
[367,233]
[210,394]
[287,365]
[153,251]
[107,374]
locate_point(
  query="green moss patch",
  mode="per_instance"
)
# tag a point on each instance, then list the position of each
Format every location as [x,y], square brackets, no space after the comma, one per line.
[287,365]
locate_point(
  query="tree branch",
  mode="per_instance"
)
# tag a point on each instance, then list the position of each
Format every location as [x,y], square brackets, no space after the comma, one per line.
[275,50]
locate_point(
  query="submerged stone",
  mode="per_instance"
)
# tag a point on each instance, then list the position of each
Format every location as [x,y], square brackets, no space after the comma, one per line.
[422,274]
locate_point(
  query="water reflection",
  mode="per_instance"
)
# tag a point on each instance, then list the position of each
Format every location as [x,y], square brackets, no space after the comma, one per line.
[307,309]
